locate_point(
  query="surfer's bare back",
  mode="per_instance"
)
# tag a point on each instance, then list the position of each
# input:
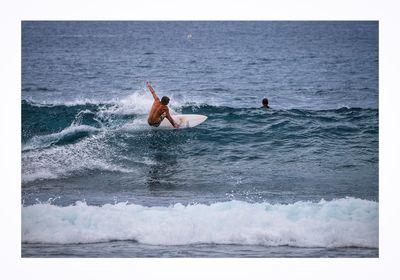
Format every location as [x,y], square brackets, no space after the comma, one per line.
[159,110]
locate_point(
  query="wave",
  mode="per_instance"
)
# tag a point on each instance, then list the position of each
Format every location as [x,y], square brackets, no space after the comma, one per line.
[60,140]
[68,135]
[137,105]
[38,88]
[337,223]
[45,119]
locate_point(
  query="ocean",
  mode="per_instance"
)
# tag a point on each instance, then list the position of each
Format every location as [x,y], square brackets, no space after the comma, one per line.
[299,179]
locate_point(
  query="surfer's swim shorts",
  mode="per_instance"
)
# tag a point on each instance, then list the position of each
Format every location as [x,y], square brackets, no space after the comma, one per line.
[159,122]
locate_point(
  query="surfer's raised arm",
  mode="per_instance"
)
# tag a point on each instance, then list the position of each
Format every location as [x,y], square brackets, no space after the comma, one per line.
[152,91]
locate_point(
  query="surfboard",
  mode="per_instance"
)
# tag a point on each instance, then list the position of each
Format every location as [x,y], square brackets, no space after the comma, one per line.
[184,121]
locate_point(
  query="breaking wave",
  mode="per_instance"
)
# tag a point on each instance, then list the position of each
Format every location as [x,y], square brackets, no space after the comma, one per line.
[337,223]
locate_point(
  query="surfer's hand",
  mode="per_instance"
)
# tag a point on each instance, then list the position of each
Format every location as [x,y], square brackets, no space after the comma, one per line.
[176,125]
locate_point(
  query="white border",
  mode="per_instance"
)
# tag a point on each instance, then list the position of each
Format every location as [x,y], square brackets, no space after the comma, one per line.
[15,267]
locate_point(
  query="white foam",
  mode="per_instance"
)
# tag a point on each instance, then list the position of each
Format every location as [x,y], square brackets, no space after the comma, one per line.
[68,103]
[138,102]
[91,153]
[337,223]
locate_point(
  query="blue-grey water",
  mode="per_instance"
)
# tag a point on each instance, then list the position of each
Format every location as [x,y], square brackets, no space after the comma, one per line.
[297,180]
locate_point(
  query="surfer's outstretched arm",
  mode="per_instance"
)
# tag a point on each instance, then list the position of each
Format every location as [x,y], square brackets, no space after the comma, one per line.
[152,91]
[171,120]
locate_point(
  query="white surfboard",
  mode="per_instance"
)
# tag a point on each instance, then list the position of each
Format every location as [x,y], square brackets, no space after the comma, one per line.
[184,121]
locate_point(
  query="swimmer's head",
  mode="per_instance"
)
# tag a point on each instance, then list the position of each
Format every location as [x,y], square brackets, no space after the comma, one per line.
[265,102]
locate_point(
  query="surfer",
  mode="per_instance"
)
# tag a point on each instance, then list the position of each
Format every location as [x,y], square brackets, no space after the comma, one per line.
[159,110]
[265,103]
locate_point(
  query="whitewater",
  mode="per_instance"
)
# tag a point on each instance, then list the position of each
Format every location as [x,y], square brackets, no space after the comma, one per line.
[339,223]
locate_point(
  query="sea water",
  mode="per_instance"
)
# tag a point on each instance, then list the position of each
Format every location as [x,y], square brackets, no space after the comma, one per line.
[297,180]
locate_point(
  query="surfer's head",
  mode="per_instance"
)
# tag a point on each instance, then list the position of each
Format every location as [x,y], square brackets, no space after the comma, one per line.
[165,100]
[265,102]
